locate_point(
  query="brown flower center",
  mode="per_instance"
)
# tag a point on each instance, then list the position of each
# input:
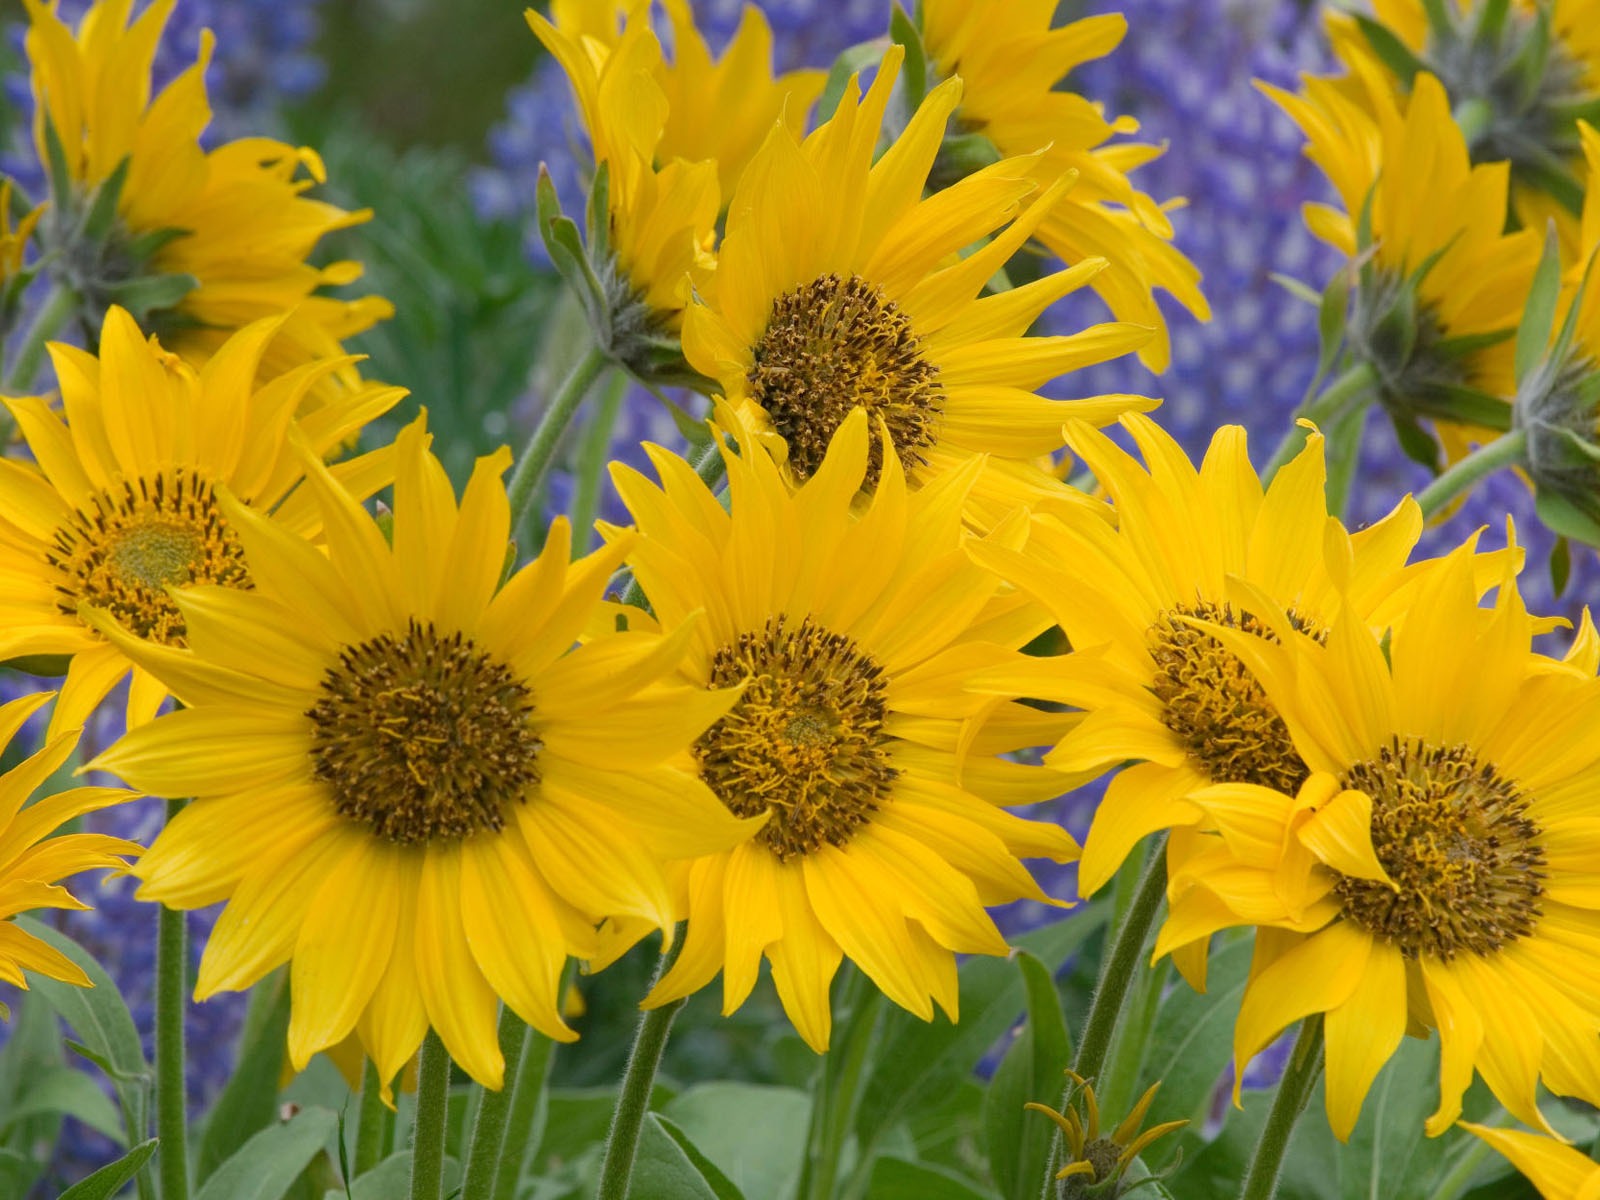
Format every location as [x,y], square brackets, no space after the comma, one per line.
[423,737]
[805,742]
[832,346]
[1453,835]
[134,543]
[1213,704]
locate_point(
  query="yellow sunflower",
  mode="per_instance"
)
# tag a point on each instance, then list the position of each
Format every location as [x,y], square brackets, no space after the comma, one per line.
[405,784]
[1559,1172]
[1437,223]
[1011,61]
[241,225]
[122,501]
[874,773]
[838,287]
[30,862]
[1508,114]
[1210,545]
[718,109]
[662,218]
[1436,871]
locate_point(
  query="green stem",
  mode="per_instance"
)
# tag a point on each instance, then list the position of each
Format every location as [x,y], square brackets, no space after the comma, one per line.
[433,1105]
[369,1127]
[540,451]
[712,469]
[1127,950]
[592,458]
[1294,1089]
[1350,391]
[638,1081]
[57,309]
[489,1130]
[839,1096]
[524,1122]
[1504,451]
[172,978]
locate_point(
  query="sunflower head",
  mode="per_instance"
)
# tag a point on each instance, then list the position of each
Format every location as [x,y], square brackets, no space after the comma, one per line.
[1517,74]
[124,500]
[651,219]
[1439,283]
[195,242]
[1097,1160]
[839,288]
[31,862]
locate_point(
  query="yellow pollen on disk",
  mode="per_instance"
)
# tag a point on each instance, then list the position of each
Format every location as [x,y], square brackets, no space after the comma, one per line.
[805,742]
[832,346]
[1454,836]
[133,543]
[423,737]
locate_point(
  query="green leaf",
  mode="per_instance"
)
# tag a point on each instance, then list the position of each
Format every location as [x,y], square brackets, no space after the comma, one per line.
[1561,516]
[266,1166]
[17,1172]
[919,1057]
[102,214]
[1388,1153]
[249,1101]
[1393,53]
[664,1170]
[897,1179]
[1032,1070]
[70,1093]
[914,71]
[100,1019]
[1194,1044]
[719,1183]
[1300,291]
[1539,313]
[108,1180]
[146,293]
[755,1134]
[1560,565]
[390,1178]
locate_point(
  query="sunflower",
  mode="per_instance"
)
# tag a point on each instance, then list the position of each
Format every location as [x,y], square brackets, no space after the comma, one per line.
[405,785]
[1441,260]
[837,288]
[718,109]
[1436,870]
[1517,78]
[234,218]
[31,864]
[873,771]
[124,502]
[661,219]
[1558,1171]
[1207,545]
[1011,61]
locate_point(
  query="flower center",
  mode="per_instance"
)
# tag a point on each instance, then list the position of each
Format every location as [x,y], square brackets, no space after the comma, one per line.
[1213,704]
[805,742]
[158,532]
[423,737]
[834,345]
[1454,836]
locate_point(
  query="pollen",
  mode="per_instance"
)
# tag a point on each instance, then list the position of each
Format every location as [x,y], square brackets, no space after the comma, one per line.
[1215,707]
[835,345]
[1454,836]
[130,545]
[805,743]
[423,737]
